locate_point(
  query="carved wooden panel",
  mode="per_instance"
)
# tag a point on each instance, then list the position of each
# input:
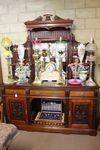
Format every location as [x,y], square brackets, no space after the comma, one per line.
[51,35]
[18,111]
[80,112]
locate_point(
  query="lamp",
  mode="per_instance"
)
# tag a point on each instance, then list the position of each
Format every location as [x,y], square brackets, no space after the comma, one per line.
[90,48]
[6,44]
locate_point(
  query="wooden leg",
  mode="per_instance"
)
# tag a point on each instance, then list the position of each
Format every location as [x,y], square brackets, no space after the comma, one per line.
[93,133]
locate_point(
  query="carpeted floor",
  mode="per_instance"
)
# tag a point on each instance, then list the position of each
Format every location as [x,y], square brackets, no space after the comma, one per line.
[54,141]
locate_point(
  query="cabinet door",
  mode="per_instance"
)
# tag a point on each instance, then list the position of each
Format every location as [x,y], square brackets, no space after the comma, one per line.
[16,110]
[80,113]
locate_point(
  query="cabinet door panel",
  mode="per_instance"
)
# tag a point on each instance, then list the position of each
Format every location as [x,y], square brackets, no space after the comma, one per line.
[17,110]
[80,113]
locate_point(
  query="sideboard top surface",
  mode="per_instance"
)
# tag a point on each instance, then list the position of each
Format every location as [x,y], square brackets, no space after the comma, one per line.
[33,86]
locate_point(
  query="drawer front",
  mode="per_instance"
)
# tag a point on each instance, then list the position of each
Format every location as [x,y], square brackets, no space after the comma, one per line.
[50,93]
[15,92]
[82,93]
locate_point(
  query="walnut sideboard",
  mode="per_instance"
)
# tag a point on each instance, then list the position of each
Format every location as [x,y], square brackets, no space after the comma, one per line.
[23,102]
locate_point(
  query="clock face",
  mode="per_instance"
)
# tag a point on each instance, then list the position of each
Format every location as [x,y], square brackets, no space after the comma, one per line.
[50,67]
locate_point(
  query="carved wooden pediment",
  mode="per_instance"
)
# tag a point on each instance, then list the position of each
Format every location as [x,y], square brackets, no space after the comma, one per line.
[48,21]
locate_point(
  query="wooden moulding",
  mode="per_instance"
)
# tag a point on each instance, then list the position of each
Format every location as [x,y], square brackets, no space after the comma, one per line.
[48,21]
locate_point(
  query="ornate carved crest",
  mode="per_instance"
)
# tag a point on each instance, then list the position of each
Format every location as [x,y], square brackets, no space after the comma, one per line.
[47,21]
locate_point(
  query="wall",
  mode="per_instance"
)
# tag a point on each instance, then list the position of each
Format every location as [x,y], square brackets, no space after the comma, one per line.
[86,15]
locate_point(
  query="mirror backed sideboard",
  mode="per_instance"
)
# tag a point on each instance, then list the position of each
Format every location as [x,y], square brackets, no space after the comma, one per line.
[51,84]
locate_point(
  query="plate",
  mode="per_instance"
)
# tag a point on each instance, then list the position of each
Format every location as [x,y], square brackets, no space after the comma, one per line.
[74,81]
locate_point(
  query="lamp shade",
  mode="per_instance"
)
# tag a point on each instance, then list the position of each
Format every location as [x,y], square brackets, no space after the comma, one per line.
[91,46]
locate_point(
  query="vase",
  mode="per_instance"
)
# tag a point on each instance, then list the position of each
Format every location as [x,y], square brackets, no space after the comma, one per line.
[81,52]
[21,52]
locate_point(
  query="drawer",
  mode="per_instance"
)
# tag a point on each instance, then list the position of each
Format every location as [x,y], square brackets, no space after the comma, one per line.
[14,91]
[82,93]
[49,93]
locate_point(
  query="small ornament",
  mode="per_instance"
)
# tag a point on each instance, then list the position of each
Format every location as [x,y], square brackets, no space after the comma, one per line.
[23,73]
[81,52]
[21,52]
